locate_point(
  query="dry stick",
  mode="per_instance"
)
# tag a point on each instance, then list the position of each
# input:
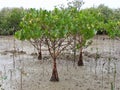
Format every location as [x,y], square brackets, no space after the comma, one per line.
[115,71]
[90,72]
[21,76]
[14,53]
[103,63]
[9,43]
[4,70]
[96,61]
[3,77]
[21,70]
[96,55]
[102,74]
[34,52]
[43,69]
[11,73]
[74,50]
[109,60]
[21,79]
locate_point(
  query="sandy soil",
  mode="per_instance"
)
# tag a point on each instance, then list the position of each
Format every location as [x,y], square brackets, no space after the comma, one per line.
[31,74]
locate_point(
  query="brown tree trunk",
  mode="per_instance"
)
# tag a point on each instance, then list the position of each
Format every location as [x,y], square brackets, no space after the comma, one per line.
[40,55]
[80,61]
[54,76]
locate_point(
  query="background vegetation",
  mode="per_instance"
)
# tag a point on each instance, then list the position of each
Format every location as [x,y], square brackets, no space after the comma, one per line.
[10,18]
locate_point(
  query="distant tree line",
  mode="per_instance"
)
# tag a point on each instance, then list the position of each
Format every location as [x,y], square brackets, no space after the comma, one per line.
[107,15]
[10,18]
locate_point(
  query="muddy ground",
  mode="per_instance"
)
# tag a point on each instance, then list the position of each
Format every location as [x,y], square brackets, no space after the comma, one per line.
[29,73]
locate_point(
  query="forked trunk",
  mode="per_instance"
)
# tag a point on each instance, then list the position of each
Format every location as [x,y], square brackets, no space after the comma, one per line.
[80,61]
[54,76]
[40,55]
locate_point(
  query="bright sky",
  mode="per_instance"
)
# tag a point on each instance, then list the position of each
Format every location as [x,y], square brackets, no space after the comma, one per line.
[49,4]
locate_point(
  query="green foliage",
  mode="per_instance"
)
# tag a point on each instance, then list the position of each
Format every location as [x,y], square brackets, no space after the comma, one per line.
[9,20]
[57,24]
[38,23]
[30,26]
[65,22]
[112,29]
[108,20]
[82,25]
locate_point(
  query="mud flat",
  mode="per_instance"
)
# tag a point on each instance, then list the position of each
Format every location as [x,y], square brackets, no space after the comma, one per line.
[29,73]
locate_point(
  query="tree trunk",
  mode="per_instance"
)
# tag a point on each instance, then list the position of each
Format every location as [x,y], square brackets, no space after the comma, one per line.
[40,55]
[80,62]
[54,76]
